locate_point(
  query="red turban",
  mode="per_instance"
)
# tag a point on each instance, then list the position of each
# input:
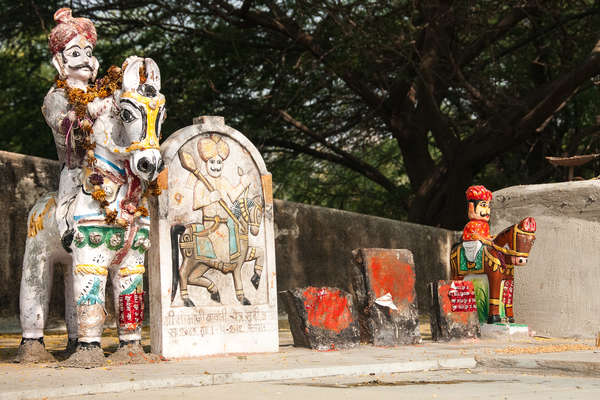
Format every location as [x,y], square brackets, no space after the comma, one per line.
[69,27]
[478,193]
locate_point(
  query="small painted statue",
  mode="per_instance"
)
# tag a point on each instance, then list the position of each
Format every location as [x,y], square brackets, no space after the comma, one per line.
[109,137]
[480,253]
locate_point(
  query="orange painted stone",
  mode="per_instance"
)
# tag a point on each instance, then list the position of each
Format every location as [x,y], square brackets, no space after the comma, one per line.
[385,295]
[321,318]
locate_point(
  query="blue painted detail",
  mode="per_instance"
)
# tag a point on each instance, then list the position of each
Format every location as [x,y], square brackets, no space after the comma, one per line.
[93,296]
[233,248]
[204,247]
[137,281]
[119,170]
[78,217]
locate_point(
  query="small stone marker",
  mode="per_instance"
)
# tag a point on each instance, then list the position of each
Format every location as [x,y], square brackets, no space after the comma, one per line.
[384,287]
[322,318]
[212,264]
[454,310]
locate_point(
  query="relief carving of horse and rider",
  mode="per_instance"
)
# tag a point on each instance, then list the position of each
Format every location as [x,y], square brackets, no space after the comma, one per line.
[495,256]
[219,240]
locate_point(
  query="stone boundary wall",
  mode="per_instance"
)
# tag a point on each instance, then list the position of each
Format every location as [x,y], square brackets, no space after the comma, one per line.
[556,293]
[313,244]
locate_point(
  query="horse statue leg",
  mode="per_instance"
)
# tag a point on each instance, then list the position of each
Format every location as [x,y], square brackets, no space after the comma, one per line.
[90,272]
[237,283]
[41,250]
[70,309]
[127,279]
[197,278]
[256,254]
[495,278]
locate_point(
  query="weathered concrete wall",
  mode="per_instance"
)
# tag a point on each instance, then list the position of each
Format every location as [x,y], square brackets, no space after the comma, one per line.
[313,244]
[23,179]
[557,293]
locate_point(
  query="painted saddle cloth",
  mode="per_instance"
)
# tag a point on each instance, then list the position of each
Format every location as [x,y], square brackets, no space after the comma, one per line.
[459,258]
[203,239]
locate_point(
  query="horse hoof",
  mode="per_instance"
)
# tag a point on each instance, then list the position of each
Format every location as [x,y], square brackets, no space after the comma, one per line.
[245,301]
[255,280]
[67,239]
[131,352]
[188,303]
[215,297]
[87,355]
[69,350]
[33,351]
[492,319]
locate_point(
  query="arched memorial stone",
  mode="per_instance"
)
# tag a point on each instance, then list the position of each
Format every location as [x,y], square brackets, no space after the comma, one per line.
[212,279]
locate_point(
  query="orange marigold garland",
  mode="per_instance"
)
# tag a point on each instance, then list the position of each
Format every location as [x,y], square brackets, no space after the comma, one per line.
[104,87]
[79,99]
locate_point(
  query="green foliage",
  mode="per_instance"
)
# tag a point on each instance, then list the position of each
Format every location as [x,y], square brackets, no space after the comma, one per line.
[481,297]
[386,108]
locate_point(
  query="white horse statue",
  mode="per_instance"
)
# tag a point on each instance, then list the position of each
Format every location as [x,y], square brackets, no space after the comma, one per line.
[111,227]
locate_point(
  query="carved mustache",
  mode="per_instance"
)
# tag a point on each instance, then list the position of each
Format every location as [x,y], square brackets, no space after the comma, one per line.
[82,66]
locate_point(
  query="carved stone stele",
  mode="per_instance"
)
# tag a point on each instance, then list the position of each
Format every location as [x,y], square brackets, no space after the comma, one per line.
[212,268]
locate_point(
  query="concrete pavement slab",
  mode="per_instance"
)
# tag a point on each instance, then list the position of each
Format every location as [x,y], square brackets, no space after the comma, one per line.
[51,381]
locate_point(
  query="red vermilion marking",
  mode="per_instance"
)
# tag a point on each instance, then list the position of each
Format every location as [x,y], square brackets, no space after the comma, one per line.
[390,275]
[327,309]
[528,224]
[445,296]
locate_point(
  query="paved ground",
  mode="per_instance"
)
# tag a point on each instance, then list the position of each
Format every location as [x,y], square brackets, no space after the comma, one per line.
[457,384]
[470,369]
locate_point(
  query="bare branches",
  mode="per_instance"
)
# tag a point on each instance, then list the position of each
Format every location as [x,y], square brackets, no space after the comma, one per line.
[342,157]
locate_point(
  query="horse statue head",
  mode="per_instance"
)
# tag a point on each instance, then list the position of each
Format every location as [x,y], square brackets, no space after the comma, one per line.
[131,131]
[248,210]
[515,242]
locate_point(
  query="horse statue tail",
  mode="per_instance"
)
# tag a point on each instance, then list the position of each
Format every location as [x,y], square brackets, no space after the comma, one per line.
[176,230]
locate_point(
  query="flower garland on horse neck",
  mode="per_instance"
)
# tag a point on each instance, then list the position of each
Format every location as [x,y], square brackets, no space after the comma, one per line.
[79,100]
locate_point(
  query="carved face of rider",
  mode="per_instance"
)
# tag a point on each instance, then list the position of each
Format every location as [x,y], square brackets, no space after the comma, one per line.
[479,210]
[214,166]
[77,60]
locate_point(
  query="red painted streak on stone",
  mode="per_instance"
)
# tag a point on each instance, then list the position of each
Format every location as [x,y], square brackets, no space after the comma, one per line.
[327,309]
[445,302]
[390,275]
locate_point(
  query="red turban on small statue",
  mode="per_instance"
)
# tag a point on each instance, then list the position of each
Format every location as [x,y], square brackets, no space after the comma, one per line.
[478,192]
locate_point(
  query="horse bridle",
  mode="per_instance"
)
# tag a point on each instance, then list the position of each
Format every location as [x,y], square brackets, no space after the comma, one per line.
[510,252]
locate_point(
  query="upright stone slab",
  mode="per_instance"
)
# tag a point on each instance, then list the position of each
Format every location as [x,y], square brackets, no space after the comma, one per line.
[322,318]
[384,288]
[212,261]
[453,310]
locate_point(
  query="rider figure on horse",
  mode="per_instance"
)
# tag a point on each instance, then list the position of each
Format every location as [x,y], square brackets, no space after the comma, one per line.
[69,108]
[220,225]
[478,210]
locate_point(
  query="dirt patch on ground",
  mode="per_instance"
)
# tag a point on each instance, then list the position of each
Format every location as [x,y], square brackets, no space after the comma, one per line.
[132,354]
[85,357]
[554,348]
[32,351]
